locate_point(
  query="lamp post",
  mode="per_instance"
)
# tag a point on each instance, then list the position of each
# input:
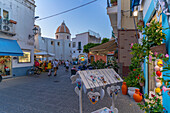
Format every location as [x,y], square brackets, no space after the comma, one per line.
[135,14]
[35,30]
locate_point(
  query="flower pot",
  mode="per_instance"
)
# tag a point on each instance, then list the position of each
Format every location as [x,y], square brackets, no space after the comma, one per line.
[137,97]
[12,21]
[131,91]
[124,88]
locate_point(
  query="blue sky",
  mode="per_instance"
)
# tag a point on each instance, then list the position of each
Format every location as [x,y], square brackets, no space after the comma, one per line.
[91,17]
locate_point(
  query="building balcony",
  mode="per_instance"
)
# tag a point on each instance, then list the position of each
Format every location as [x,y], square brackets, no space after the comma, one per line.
[7,26]
[79,48]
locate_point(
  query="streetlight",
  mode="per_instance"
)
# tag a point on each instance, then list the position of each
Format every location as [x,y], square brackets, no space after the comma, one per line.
[135,14]
[35,30]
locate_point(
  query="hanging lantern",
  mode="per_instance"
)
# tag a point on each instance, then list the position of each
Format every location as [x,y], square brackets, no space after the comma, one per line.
[160,63]
[158,73]
[157,90]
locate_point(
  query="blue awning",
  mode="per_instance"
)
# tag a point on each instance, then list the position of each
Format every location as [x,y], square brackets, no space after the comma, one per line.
[9,48]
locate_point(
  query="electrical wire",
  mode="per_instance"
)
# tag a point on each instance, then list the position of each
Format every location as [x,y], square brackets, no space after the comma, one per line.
[66,10]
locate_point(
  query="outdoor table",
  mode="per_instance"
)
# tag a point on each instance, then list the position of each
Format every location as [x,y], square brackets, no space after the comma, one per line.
[111,78]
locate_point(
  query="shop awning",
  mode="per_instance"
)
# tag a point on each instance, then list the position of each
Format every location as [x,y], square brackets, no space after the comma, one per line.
[104,48]
[45,54]
[9,48]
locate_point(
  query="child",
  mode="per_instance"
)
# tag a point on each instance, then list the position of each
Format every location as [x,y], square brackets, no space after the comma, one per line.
[49,68]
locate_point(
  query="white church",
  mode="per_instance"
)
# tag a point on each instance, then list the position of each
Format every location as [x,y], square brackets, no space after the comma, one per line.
[55,48]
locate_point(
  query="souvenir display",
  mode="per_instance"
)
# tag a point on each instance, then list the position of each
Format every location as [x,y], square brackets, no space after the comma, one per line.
[76,89]
[84,89]
[92,77]
[102,93]
[94,97]
[78,82]
[74,78]
[113,90]
[5,65]
[102,78]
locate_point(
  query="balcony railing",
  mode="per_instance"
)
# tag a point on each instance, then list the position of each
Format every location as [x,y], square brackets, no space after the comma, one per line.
[7,26]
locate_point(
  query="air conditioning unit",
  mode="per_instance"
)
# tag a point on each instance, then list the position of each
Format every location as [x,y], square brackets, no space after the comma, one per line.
[6,28]
[6,25]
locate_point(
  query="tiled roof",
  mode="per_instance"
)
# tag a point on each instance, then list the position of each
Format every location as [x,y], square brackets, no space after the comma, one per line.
[63,29]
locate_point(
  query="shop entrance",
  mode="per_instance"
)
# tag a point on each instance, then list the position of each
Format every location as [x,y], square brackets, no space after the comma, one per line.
[5,66]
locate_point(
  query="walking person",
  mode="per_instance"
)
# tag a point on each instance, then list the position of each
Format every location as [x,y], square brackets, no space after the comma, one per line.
[67,65]
[55,65]
[49,68]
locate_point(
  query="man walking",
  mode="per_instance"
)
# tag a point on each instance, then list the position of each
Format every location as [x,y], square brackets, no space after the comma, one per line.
[55,65]
[67,65]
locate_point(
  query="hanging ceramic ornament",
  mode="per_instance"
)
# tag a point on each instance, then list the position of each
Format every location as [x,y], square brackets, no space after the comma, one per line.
[92,77]
[102,78]
[76,89]
[160,63]
[93,97]
[158,73]
[74,78]
[102,93]
[157,68]
[78,82]
[113,90]
[84,89]
[117,77]
[158,84]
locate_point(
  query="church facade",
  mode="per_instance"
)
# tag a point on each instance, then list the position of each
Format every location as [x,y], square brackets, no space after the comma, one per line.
[59,47]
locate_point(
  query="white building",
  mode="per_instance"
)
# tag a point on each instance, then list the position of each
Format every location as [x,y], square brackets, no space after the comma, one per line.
[16,36]
[60,47]
[83,39]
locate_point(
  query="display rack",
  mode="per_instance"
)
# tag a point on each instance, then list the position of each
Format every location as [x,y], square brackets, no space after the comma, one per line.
[110,77]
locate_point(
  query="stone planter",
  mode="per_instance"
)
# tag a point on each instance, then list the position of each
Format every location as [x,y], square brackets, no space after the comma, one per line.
[131,91]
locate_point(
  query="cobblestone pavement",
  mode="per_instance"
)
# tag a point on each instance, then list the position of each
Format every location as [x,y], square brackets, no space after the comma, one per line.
[45,94]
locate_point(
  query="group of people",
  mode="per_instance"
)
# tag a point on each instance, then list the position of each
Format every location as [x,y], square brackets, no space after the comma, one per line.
[51,65]
[54,65]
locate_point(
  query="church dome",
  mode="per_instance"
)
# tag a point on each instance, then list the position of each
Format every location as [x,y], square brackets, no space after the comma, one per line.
[63,29]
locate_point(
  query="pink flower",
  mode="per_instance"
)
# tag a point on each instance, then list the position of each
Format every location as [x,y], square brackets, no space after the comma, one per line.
[150,58]
[131,45]
[167,56]
[156,53]
[148,24]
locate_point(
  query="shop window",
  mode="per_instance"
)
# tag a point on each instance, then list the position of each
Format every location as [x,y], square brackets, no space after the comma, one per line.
[5,65]
[26,58]
[5,14]
[74,44]
[52,42]
[58,43]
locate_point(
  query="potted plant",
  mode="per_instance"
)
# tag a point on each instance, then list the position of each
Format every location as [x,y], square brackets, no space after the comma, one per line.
[142,80]
[153,105]
[114,2]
